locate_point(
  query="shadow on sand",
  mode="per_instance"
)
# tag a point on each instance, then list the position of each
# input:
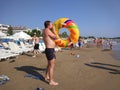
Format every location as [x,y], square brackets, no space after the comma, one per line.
[109,67]
[106,50]
[31,70]
[28,54]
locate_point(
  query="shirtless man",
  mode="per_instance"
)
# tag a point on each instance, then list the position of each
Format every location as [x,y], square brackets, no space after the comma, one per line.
[36,45]
[49,37]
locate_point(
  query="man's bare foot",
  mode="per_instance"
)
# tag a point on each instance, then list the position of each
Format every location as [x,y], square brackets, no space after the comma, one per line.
[47,79]
[34,56]
[53,83]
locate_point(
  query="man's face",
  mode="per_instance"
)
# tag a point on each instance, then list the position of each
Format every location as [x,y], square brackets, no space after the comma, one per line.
[51,26]
[34,35]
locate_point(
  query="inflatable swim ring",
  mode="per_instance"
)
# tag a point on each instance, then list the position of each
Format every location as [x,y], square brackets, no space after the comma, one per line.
[73,29]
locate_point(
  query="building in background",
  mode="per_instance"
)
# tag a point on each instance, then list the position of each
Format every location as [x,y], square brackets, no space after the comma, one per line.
[16,29]
[4,28]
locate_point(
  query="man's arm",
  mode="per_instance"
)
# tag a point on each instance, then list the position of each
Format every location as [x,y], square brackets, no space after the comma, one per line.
[52,35]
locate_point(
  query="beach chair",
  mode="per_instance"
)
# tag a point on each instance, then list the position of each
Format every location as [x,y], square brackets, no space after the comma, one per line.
[26,49]
[22,48]
[5,45]
[41,47]
[6,48]
[28,45]
[2,55]
[5,54]
[15,48]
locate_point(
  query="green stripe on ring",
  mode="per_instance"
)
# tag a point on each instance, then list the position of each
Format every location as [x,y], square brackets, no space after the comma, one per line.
[72,27]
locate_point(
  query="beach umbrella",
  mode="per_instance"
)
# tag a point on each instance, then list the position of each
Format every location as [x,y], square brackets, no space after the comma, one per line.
[2,34]
[21,35]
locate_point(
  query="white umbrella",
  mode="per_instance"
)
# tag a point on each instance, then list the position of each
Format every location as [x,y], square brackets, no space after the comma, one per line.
[21,35]
[2,34]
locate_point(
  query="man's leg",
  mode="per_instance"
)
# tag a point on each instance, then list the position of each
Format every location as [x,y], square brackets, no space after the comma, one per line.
[34,53]
[50,71]
[52,65]
[47,77]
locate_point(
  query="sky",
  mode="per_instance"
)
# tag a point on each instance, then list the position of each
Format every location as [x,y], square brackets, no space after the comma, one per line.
[99,18]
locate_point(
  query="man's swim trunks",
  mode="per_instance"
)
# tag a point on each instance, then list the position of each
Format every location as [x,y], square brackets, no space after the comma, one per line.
[50,53]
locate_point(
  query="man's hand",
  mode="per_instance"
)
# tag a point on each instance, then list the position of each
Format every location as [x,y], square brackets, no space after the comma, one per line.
[53,30]
[70,43]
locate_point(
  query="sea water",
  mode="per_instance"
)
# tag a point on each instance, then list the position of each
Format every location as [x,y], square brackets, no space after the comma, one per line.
[116,51]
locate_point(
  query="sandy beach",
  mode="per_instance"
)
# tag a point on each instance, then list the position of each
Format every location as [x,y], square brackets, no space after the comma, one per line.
[94,69]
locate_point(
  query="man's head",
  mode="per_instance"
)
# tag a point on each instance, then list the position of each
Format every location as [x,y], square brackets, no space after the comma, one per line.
[34,34]
[48,24]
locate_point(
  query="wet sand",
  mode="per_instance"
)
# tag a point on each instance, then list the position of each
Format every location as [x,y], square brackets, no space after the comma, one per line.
[95,69]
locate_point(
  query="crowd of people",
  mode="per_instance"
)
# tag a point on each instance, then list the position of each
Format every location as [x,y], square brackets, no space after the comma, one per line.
[96,42]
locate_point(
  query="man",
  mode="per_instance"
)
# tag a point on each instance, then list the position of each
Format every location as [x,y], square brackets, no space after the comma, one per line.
[80,43]
[36,45]
[110,45]
[49,37]
[96,42]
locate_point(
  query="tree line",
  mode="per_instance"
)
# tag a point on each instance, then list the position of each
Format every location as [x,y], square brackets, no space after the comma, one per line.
[31,33]
[63,34]
[38,33]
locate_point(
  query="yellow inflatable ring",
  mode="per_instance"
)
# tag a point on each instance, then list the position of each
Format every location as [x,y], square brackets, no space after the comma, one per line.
[71,26]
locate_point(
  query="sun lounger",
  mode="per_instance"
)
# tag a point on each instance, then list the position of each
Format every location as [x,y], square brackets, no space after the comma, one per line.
[25,48]
[15,48]
[41,47]
[8,49]
[28,45]
[5,54]
[5,45]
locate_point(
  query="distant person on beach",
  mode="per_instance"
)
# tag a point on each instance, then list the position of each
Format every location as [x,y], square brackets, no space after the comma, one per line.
[99,43]
[36,45]
[96,42]
[102,43]
[80,43]
[71,47]
[49,37]
[110,45]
